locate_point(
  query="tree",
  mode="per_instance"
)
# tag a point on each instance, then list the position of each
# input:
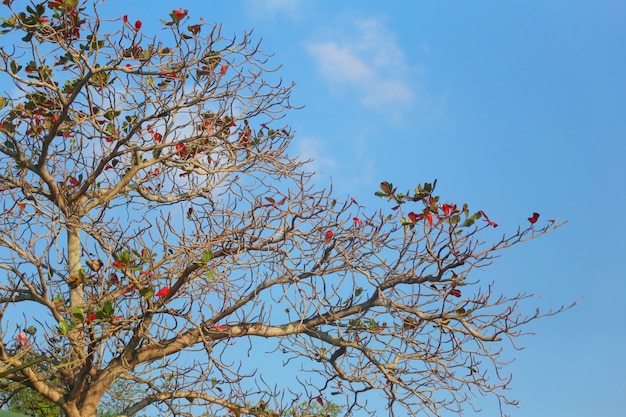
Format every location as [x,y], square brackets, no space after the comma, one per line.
[156,231]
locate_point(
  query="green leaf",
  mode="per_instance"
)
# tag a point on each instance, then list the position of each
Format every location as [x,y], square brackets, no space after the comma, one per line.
[3,102]
[468,222]
[15,67]
[78,314]
[206,257]
[358,291]
[147,292]
[107,310]
[64,328]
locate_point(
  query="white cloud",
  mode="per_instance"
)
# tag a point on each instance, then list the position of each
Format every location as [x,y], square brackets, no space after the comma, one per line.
[365,59]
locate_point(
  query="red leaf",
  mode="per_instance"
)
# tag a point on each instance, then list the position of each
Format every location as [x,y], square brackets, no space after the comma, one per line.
[74,181]
[534,218]
[328,236]
[455,292]
[429,216]
[357,221]
[415,217]
[163,292]
[223,69]
[90,318]
[489,222]
[118,264]
[319,400]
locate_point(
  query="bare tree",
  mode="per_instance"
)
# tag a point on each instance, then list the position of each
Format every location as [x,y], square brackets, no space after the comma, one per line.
[157,232]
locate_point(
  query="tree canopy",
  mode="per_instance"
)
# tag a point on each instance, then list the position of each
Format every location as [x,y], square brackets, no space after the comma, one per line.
[157,232]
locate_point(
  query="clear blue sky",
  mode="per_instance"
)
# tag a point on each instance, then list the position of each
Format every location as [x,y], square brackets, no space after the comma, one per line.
[514,107]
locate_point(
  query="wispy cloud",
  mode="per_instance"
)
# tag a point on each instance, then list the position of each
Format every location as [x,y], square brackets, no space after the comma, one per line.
[290,9]
[365,59]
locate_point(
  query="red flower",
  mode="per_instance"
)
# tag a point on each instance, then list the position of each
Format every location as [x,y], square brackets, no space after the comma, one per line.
[534,218]
[415,217]
[23,338]
[328,236]
[489,222]
[219,328]
[357,221]
[223,69]
[455,292]
[125,18]
[157,137]
[163,292]
[319,400]
[448,209]
[90,318]
[179,14]
[429,216]
[74,181]
[138,25]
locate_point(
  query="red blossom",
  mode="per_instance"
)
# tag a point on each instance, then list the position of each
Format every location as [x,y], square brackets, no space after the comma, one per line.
[319,400]
[357,221]
[125,18]
[328,236]
[74,181]
[219,328]
[90,318]
[179,14]
[157,137]
[138,25]
[23,338]
[223,69]
[448,209]
[534,218]
[163,292]
[429,217]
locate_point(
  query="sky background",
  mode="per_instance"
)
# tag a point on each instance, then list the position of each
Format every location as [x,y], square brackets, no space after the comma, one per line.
[514,107]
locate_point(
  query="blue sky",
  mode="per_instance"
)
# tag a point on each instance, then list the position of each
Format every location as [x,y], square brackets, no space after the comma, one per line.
[514,107]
